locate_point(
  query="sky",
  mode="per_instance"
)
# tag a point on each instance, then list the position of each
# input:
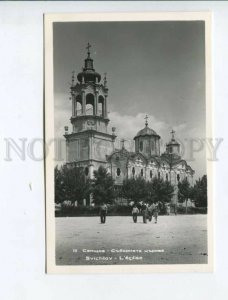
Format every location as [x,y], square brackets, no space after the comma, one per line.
[154,68]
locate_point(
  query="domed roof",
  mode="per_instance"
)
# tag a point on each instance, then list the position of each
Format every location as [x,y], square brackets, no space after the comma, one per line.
[173,141]
[146,131]
[89,76]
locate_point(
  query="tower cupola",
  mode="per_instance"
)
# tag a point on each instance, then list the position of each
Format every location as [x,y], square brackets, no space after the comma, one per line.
[88,73]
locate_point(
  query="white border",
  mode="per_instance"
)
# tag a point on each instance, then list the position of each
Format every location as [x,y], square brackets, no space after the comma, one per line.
[49,134]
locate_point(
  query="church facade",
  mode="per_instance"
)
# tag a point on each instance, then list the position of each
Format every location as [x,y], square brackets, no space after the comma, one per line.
[90,144]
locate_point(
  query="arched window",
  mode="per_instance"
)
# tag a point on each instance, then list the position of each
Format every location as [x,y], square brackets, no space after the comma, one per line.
[118,172]
[166,177]
[178,177]
[141,172]
[78,108]
[133,171]
[159,175]
[101,106]
[141,146]
[90,108]
[86,171]
[78,105]
[151,174]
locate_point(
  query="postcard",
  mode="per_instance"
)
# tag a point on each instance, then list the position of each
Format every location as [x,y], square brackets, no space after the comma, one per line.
[128,111]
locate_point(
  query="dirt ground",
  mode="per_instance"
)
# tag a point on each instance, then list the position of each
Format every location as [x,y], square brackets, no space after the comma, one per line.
[180,239]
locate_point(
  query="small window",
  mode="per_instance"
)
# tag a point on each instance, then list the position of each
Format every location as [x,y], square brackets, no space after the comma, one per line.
[159,175]
[178,177]
[118,172]
[141,146]
[166,176]
[86,171]
[151,174]
[152,145]
[133,171]
[141,172]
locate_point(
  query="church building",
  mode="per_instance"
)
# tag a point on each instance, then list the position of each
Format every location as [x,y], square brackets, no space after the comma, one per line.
[91,143]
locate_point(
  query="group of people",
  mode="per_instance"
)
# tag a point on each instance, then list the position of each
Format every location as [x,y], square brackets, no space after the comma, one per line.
[147,210]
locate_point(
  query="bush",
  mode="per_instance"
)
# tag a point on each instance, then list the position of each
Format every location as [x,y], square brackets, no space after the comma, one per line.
[117,210]
[113,210]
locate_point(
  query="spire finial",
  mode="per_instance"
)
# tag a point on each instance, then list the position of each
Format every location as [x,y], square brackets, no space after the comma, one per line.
[172,133]
[88,49]
[72,78]
[105,79]
[122,141]
[146,118]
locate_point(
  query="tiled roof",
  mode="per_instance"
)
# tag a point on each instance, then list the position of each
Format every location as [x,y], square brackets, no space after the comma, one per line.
[146,131]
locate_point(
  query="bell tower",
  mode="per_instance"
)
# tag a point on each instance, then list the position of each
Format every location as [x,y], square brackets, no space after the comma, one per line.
[89,142]
[89,99]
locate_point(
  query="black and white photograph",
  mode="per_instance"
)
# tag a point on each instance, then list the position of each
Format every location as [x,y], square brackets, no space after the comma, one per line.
[128,112]
[114,150]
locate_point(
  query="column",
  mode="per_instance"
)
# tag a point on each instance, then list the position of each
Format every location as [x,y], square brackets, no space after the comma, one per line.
[73,106]
[96,102]
[67,151]
[105,107]
[83,103]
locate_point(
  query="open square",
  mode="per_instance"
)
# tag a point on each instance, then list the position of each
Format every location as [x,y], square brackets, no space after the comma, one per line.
[180,239]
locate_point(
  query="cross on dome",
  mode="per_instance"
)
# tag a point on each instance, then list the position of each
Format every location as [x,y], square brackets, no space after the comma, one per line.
[172,133]
[88,49]
[146,118]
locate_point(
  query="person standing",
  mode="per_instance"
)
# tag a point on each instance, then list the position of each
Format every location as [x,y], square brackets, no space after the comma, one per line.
[168,209]
[155,213]
[135,212]
[150,211]
[144,211]
[103,212]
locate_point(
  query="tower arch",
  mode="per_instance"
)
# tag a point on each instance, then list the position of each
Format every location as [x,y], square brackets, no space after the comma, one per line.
[101,101]
[78,101]
[90,104]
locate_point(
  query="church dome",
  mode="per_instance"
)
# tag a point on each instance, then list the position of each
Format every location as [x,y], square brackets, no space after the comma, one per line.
[173,141]
[173,147]
[89,76]
[146,131]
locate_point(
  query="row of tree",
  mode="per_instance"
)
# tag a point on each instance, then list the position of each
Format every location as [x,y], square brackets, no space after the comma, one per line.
[72,184]
[196,193]
[138,189]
